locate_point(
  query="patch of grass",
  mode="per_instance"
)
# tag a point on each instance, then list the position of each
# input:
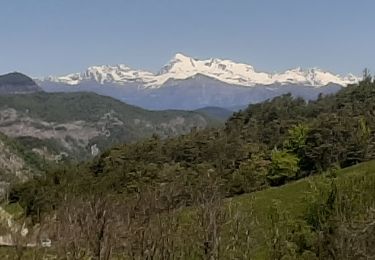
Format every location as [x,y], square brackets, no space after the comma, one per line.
[7,252]
[291,197]
[13,209]
[293,194]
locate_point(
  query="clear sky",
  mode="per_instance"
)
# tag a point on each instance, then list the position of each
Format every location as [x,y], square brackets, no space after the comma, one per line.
[54,37]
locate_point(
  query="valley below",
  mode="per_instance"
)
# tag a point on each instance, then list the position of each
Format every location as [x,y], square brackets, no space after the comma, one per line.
[78,125]
[187,130]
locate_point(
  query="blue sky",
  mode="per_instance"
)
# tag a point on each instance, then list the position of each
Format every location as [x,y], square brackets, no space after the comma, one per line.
[53,37]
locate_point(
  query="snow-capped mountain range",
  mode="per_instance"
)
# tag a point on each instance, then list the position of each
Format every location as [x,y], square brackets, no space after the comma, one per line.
[188,83]
[182,67]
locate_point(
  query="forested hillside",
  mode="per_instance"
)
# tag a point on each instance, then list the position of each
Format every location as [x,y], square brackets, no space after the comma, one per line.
[185,179]
[17,163]
[265,145]
[77,126]
[17,83]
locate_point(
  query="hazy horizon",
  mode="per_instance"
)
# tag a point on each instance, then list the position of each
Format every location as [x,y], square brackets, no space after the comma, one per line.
[55,38]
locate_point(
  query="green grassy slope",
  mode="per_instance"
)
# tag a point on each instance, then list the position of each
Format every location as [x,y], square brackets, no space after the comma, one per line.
[292,198]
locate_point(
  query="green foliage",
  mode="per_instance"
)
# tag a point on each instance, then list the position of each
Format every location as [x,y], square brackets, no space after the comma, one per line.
[340,216]
[33,162]
[250,176]
[296,139]
[269,143]
[107,121]
[321,218]
[364,130]
[284,167]
[293,201]
[287,238]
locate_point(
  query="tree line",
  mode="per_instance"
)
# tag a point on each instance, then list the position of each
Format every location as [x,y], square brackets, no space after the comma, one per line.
[129,193]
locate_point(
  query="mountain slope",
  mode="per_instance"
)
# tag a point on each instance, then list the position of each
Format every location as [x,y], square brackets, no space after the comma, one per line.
[178,186]
[17,83]
[16,161]
[82,124]
[182,67]
[189,84]
[11,164]
[292,200]
[216,112]
[192,93]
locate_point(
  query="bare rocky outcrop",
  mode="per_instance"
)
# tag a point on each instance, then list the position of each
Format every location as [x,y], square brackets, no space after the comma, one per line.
[82,136]
[11,163]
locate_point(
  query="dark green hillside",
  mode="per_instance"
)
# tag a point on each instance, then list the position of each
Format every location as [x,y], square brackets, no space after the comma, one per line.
[66,107]
[181,194]
[267,144]
[16,79]
[216,112]
[15,82]
[270,224]
[74,122]
[17,162]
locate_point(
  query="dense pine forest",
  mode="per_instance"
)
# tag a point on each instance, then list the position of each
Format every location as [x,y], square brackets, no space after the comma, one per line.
[180,198]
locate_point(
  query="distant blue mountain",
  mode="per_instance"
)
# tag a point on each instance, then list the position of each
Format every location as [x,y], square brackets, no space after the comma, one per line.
[192,93]
[17,83]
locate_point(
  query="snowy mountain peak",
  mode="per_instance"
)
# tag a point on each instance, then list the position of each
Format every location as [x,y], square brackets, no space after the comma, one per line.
[116,74]
[183,67]
[181,57]
[314,77]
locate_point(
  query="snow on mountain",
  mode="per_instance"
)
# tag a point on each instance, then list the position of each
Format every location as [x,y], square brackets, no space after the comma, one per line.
[105,74]
[313,77]
[184,67]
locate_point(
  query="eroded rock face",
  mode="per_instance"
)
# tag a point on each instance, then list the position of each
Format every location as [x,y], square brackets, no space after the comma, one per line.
[77,133]
[83,138]
[81,124]
[11,164]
